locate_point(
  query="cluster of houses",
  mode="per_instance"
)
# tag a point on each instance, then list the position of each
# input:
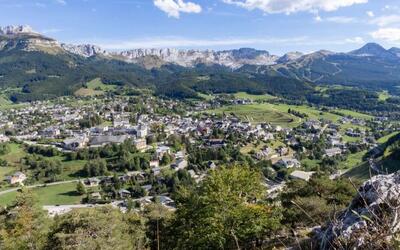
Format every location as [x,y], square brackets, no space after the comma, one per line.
[58,125]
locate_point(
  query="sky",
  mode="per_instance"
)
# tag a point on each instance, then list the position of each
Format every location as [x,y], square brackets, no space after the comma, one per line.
[278,26]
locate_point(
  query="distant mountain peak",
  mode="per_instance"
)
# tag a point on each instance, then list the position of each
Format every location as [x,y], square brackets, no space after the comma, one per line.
[16,29]
[290,56]
[85,50]
[372,50]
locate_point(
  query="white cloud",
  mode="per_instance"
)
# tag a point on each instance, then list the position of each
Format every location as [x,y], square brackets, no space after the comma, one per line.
[387,34]
[386,20]
[292,6]
[51,31]
[62,2]
[337,19]
[179,42]
[174,7]
[370,13]
[228,42]
[318,18]
[355,40]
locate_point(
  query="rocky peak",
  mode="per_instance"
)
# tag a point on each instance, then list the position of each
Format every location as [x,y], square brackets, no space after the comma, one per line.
[16,29]
[372,50]
[395,51]
[188,58]
[85,50]
[371,220]
[291,56]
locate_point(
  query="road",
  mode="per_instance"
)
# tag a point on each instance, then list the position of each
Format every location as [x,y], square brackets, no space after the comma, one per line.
[37,185]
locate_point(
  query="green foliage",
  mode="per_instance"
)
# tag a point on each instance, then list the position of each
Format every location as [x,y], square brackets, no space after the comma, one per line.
[96,167]
[23,225]
[224,212]
[44,168]
[311,203]
[80,188]
[90,121]
[91,229]
[4,148]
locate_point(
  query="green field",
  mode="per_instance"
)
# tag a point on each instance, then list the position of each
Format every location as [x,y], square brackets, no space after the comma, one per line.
[244,95]
[5,171]
[62,194]
[71,169]
[260,113]
[383,96]
[387,137]
[206,97]
[95,87]
[360,172]
[354,160]
[15,155]
[277,114]
[4,101]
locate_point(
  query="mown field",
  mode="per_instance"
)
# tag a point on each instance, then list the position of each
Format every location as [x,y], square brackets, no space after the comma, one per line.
[260,113]
[94,88]
[277,114]
[71,169]
[51,195]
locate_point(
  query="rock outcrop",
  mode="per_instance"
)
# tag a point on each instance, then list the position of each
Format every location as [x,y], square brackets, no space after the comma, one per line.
[371,221]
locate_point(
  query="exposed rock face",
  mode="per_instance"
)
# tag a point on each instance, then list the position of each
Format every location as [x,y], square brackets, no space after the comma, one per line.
[15,30]
[188,58]
[85,50]
[371,220]
[291,56]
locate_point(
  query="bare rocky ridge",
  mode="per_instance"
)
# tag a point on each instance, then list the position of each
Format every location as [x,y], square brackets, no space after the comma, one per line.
[16,29]
[372,219]
[85,50]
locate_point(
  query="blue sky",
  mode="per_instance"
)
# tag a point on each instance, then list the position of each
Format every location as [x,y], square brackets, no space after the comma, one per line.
[275,25]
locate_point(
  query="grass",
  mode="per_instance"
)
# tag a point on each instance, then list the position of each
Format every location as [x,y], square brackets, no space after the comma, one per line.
[277,114]
[387,137]
[63,194]
[4,101]
[71,168]
[310,164]
[360,172]
[244,95]
[16,154]
[354,114]
[94,88]
[206,97]
[5,171]
[354,160]
[383,96]
[260,113]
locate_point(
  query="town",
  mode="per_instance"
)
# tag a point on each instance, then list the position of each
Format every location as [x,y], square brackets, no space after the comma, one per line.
[132,151]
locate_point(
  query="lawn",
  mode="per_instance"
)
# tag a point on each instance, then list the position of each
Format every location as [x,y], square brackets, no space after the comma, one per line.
[71,168]
[244,95]
[361,172]
[5,171]
[260,113]
[387,137]
[354,114]
[94,88]
[206,97]
[383,96]
[4,101]
[353,160]
[277,114]
[16,154]
[62,194]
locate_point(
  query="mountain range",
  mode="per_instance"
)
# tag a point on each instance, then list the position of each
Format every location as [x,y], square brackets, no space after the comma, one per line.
[35,58]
